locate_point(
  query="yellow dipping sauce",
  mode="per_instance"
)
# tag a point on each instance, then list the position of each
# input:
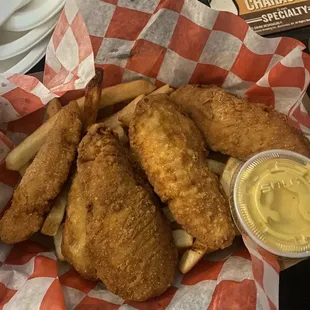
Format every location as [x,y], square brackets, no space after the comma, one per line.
[272,197]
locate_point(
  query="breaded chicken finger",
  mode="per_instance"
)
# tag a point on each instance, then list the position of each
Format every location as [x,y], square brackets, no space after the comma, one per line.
[128,238]
[74,247]
[44,178]
[172,152]
[235,127]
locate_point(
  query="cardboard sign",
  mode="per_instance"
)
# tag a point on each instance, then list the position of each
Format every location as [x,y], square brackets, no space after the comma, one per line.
[268,16]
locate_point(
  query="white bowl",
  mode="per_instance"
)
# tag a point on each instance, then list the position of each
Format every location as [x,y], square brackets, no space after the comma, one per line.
[24,62]
[15,43]
[34,14]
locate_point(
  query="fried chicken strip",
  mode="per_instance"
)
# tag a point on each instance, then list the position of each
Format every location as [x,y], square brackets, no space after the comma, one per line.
[43,179]
[172,152]
[233,126]
[74,247]
[128,238]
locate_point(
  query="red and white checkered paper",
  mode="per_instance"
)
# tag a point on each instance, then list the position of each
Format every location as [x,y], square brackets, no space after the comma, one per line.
[69,66]
[165,41]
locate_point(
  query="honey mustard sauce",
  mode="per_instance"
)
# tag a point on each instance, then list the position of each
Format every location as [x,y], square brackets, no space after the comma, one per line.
[273,201]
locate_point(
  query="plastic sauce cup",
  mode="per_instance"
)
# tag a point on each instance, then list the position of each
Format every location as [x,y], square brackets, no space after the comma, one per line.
[270,202]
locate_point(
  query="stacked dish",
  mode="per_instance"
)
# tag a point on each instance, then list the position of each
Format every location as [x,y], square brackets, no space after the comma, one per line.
[25,29]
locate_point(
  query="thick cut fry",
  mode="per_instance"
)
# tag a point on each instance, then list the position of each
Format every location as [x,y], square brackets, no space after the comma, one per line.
[123,115]
[228,173]
[22,170]
[168,214]
[125,91]
[126,118]
[216,166]
[52,108]
[227,178]
[166,89]
[57,243]
[175,226]
[182,239]
[191,257]
[92,99]
[122,92]
[56,215]
[122,136]
[28,148]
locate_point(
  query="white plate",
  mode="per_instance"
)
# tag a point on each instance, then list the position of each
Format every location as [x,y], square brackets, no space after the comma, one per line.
[9,8]
[24,62]
[15,43]
[34,14]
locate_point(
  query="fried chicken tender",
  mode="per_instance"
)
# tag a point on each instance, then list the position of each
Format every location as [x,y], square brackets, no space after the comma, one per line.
[128,238]
[44,178]
[74,247]
[233,126]
[171,150]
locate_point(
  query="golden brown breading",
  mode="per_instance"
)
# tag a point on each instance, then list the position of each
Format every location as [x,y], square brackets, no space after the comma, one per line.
[74,246]
[128,238]
[44,178]
[173,155]
[235,127]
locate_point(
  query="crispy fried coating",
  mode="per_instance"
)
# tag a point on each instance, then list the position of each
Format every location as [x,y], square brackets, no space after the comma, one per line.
[235,127]
[172,152]
[74,246]
[128,238]
[44,179]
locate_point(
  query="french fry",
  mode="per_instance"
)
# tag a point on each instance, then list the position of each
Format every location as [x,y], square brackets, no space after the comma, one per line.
[52,108]
[125,116]
[121,134]
[216,166]
[228,173]
[226,179]
[125,91]
[122,92]
[92,99]
[54,218]
[28,148]
[192,256]
[114,120]
[166,89]
[58,242]
[175,226]
[125,119]
[168,214]
[22,170]
[182,239]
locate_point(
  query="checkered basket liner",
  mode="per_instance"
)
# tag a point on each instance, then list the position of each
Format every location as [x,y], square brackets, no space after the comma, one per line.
[164,41]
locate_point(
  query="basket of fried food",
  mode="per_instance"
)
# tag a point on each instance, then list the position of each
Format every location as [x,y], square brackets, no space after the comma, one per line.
[131,197]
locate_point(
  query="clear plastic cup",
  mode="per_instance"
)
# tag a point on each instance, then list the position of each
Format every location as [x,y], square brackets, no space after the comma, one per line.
[270,202]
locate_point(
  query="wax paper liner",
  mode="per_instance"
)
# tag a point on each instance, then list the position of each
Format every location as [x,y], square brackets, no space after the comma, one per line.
[175,42]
